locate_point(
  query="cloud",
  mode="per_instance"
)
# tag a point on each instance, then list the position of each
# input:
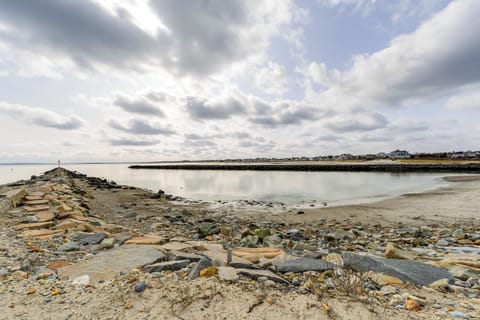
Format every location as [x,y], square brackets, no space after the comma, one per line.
[197,38]
[467,99]
[359,121]
[283,114]
[132,142]
[145,105]
[219,108]
[271,79]
[138,126]
[415,67]
[41,117]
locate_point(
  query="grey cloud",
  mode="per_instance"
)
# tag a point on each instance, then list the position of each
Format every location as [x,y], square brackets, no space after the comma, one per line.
[200,38]
[139,105]
[132,142]
[205,109]
[81,29]
[285,114]
[138,126]
[41,117]
[358,122]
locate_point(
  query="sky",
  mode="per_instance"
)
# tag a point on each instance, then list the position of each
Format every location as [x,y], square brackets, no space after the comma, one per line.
[157,80]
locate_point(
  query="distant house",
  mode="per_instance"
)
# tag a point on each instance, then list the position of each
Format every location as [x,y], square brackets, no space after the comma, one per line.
[399,154]
[345,156]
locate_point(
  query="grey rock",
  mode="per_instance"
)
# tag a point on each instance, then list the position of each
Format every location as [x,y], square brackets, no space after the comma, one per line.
[442,243]
[180,255]
[168,265]
[140,286]
[227,274]
[89,238]
[255,274]
[30,219]
[406,270]
[26,266]
[205,262]
[69,246]
[107,264]
[250,241]
[273,241]
[3,272]
[122,237]
[303,264]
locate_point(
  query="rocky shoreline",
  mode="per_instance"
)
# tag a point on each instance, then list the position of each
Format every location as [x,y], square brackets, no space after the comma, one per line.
[78,247]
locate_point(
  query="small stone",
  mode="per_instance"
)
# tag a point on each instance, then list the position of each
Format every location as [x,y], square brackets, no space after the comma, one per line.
[386,290]
[250,240]
[227,274]
[208,272]
[412,305]
[394,252]
[107,243]
[442,243]
[69,246]
[140,286]
[89,238]
[335,258]
[226,231]
[208,228]
[273,241]
[200,265]
[31,291]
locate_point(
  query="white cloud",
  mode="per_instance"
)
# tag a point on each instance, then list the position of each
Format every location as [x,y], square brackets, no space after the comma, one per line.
[41,117]
[271,79]
[467,99]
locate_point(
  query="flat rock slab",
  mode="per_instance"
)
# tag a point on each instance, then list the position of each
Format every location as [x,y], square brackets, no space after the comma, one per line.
[303,264]
[36,208]
[41,233]
[15,196]
[147,240]
[107,264]
[406,270]
[255,274]
[33,198]
[86,239]
[35,225]
[268,253]
[43,216]
[168,265]
[180,255]
[219,259]
[35,202]
[177,246]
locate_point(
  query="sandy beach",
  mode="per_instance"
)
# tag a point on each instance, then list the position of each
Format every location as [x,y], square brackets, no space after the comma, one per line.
[78,247]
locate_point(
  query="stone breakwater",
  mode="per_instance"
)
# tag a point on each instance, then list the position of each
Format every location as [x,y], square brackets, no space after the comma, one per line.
[83,247]
[391,167]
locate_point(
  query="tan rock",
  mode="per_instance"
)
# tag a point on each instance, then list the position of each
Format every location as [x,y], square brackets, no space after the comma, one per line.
[268,253]
[33,198]
[64,208]
[35,202]
[41,234]
[63,215]
[36,208]
[30,226]
[35,194]
[43,216]
[335,258]
[394,252]
[58,264]
[147,240]
[176,246]
[66,224]
[384,280]
[15,196]
[114,228]
[412,305]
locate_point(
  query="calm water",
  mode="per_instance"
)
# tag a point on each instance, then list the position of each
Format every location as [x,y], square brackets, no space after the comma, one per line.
[287,187]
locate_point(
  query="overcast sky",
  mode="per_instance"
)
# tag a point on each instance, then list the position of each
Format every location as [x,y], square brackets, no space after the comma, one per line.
[94,80]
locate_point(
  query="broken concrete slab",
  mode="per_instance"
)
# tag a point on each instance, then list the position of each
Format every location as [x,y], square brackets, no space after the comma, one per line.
[106,264]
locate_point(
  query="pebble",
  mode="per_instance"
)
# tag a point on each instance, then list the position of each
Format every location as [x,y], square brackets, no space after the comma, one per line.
[458,314]
[140,286]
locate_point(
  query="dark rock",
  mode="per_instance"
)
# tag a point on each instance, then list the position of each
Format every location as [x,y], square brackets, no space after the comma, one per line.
[174,255]
[406,270]
[255,274]
[200,265]
[168,265]
[89,238]
[26,265]
[303,264]
[140,286]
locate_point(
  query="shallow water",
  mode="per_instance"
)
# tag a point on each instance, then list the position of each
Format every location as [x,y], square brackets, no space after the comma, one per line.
[290,187]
